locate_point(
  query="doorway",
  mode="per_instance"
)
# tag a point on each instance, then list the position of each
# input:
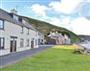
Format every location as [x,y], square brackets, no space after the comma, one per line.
[32,43]
[13,46]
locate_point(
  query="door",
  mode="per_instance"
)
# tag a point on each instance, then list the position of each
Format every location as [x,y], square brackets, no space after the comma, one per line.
[32,44]
[13,46]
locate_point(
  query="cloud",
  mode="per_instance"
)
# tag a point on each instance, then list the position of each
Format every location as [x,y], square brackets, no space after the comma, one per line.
[87,0]
[65,6]
[58,21]
[84,9]
[55,21]
[81,25]
[39,10]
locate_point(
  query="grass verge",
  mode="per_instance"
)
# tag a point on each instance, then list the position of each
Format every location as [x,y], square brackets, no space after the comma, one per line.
[53,59]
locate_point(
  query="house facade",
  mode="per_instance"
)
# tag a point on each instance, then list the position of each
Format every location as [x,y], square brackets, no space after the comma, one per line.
[16,34]
[58,38]
[40,38]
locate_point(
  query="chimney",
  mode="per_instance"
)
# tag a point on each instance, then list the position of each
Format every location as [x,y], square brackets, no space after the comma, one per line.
[13,11]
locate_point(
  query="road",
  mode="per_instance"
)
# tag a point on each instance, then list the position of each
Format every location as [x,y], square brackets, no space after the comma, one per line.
[15,57]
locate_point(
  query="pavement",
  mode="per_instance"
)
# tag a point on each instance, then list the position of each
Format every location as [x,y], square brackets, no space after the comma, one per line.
[15,57]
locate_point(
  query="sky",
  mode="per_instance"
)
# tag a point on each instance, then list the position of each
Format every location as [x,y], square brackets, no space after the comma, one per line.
[73,15]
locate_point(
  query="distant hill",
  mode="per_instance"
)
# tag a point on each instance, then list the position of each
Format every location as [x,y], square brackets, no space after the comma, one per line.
[45,28]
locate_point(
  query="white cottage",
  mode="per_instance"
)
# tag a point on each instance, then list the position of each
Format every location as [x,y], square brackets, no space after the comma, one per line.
[40,38]
[16,34]
[59,38]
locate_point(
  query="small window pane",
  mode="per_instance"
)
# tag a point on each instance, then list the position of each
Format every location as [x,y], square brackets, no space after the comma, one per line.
[28,32]
[27,42]
[21,42]
[22,30]
[1,24]
[1,43]
[15,17]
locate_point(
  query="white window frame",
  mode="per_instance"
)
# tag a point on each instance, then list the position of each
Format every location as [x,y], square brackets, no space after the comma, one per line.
[21,42]
[1,24]
[27,42]
[2,42]
[28,31]
[22,30]
[15,17]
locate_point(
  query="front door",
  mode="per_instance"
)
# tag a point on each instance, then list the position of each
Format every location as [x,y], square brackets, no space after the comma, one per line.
[32,44]
[13,46]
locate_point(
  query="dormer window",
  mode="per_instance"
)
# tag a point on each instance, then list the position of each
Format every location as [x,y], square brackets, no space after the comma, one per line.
[1,24]
[15,17]
[20,19]
[23,21]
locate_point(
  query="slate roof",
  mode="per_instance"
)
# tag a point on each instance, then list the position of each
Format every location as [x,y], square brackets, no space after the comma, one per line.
[28,24]
[7,16]
[55,35]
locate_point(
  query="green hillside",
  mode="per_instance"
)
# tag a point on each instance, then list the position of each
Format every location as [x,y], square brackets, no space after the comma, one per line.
[45,28]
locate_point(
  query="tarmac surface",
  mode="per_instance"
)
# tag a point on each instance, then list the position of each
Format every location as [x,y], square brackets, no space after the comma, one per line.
[17,56]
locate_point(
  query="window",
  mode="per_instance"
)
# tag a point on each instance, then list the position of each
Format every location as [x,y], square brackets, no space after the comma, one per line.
[21,30]
[23,21]
[39,41]
[1,24]
[21,42]
[35,42]
[2,43]
[28,32]
[27,42]
[15,17]
[20,19]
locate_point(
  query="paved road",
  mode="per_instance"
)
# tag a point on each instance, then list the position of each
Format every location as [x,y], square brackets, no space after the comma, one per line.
[15,57]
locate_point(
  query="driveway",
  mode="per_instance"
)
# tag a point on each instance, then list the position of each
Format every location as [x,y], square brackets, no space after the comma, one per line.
[15,57]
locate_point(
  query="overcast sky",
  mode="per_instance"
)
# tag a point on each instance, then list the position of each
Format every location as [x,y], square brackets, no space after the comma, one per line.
[71,14]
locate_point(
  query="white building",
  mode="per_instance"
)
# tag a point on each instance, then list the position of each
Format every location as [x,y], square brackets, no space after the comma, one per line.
[59,38]
[40,38]
[16,34]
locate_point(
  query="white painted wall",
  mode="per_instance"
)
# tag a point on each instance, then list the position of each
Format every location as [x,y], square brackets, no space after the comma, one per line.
[11,29]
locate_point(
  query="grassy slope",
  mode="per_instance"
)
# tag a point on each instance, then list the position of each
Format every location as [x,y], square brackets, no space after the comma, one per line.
[53,59]
[46,28]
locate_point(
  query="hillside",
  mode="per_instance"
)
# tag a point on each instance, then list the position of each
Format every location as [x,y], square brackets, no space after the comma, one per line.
[45,28]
